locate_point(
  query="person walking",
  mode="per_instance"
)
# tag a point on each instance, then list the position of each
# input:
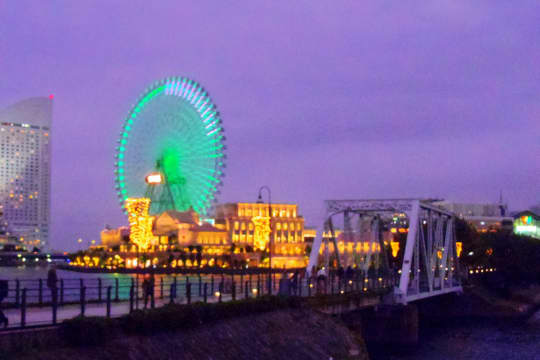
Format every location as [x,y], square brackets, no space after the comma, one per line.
[321,281]
[3,294]
[148,289]
[52,283]
[294,282]
[341,275]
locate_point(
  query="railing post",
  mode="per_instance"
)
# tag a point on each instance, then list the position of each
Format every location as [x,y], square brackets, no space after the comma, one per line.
[23,308]
[188,293]
[136,293]
[233,290]
[258,286]
[131,293]
[200,285]
[222,286]
[332,285]
[116,292]
[309,287]
[246,290]
[161,289]
[40,292]
[152,296]
[241,281]
[17,292]
[109,289]
[61,292]
[299,287]
[54,304]
[220,291]
[212,284]
[205,293]
[83,300]
[81,285]
[172,291]
[99,290]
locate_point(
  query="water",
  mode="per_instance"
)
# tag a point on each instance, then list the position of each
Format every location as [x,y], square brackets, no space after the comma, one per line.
[477,339]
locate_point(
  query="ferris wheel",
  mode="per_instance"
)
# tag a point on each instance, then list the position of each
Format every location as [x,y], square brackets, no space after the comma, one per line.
[171,148]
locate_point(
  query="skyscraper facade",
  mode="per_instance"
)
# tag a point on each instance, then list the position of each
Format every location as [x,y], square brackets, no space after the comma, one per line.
[25,153]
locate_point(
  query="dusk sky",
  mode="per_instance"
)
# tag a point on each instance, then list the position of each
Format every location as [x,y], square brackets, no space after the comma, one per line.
[319,99]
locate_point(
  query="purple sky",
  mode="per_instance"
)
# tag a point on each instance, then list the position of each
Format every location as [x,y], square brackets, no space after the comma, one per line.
[320,99]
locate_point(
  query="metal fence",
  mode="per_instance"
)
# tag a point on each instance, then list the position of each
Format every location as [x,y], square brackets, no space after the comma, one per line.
[30,303]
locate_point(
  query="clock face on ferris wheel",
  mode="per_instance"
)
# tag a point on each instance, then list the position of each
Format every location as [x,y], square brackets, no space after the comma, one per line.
[172,134]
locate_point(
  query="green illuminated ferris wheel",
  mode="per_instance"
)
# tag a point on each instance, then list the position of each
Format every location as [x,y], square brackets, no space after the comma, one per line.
[171,148]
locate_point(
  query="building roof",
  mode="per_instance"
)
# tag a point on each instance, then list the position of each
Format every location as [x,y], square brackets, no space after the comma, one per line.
[33,111]
[207,228]
[186,217]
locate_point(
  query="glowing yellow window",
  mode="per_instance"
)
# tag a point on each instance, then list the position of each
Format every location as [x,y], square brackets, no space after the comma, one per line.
[250,226]
[285,226]
[236,225]
[243,226]
[278,226]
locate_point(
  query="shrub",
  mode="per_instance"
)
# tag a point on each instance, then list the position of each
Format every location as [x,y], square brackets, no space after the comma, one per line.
[87,331]
[83,331]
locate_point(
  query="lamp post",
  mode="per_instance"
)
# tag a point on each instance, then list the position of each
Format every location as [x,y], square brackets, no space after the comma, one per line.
[260,201]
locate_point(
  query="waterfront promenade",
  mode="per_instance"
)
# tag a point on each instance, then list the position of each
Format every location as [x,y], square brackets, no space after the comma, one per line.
[30,304]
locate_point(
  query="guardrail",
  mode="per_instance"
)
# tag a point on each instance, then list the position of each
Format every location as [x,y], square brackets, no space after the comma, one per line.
[30,303]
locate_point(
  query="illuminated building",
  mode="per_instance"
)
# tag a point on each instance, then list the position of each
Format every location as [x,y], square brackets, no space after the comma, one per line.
[114,238]
[354,245]
[185,228]
[239,235]
[527,223]
[140,223]
[251,228]
[25,132]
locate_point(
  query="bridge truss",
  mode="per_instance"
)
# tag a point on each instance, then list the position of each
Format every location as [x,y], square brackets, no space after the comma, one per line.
[421,253]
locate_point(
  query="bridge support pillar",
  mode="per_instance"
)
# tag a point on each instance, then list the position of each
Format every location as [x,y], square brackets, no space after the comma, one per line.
[395,326]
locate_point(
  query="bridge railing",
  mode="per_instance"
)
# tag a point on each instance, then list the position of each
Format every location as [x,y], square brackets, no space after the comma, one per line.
[31,304]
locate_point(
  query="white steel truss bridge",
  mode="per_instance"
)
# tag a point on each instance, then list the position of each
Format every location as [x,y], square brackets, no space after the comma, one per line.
[411,240]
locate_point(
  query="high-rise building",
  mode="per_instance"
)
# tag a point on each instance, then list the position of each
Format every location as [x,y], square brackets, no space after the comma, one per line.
[25,153]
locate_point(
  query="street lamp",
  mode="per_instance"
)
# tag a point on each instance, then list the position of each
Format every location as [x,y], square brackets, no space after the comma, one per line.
[260,201]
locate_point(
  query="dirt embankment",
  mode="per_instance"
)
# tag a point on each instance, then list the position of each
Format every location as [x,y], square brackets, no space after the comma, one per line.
[288,334]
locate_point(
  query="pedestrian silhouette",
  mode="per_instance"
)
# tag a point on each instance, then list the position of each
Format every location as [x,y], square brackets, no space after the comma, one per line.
[3,294]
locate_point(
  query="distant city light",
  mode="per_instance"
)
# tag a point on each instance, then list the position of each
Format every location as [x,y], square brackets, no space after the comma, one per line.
[526,228]
[154,178]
